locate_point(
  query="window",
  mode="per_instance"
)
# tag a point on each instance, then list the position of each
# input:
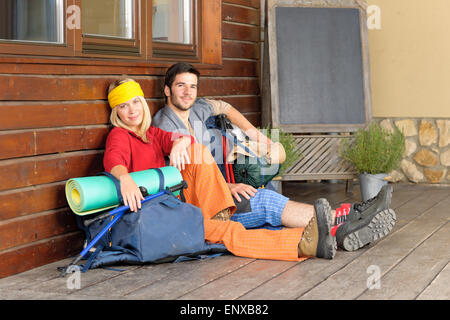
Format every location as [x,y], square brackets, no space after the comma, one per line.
[110,26]
[143,30]
[108,18]
[174,26]
[32,20]
[35,27]
[173,21]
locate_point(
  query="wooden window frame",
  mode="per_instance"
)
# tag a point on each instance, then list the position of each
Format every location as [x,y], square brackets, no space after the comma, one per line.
[105,45]
[207,44]
[166,49]
[207,48]
[67,48]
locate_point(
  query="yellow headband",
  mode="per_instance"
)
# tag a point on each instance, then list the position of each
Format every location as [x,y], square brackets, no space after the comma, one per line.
[123,93]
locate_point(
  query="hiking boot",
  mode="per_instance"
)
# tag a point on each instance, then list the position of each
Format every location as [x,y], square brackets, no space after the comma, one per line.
[354,234]
[367,208]
[316,239]
[380,202]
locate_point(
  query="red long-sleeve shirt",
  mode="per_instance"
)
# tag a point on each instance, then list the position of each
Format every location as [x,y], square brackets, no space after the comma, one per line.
[125,148]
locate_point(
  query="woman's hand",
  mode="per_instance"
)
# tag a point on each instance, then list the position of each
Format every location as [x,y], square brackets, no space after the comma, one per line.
[131,194]
[242,189]
[179,155]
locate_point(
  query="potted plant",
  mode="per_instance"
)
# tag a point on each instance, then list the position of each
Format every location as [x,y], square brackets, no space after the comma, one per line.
[374,152]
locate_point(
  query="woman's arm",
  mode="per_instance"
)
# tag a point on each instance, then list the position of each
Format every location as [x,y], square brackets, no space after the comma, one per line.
[179,155]
[131,194]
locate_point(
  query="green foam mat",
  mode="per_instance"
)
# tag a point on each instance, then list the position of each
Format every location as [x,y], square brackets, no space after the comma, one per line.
[87,195]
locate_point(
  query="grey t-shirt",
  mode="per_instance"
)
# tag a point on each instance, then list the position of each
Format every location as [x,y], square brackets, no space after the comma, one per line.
[167,120]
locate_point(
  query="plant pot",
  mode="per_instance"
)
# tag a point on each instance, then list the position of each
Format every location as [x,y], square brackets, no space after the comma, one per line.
[371,184]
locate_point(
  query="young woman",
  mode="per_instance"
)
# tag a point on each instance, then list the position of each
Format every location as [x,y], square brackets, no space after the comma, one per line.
[133,145]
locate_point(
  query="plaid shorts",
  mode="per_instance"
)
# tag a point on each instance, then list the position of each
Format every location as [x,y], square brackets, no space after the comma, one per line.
[266,206]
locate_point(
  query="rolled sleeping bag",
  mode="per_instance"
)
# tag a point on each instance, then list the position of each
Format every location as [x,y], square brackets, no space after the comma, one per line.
[247,170]
[87,195]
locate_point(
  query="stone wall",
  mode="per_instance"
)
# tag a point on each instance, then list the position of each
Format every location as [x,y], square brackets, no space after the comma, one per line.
[427,150]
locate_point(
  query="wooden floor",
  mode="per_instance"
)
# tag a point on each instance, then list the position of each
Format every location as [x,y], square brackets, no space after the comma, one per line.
[412,262]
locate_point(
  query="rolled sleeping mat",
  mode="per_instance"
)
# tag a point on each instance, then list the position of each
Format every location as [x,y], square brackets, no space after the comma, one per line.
[87,195]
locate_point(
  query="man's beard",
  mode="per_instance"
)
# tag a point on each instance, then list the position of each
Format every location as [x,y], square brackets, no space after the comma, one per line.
[177,104]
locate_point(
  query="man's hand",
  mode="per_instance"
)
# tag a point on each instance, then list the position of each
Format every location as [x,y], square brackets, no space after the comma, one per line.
[242,189]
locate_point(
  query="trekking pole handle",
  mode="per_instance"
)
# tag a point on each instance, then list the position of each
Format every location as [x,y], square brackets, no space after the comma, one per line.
[181,185]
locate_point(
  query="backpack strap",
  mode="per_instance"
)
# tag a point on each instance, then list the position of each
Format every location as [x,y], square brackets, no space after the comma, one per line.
[116,184]
[220,122]
[161,185]
[91,259]
[161,178]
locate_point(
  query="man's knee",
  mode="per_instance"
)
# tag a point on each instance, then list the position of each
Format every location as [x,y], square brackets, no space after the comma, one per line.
[269,200]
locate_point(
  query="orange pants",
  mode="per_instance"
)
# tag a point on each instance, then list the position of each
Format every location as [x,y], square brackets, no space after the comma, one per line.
[208,190]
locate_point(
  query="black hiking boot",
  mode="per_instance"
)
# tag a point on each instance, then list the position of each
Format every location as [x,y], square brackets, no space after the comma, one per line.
[367,221]
[355,234]
[380,202]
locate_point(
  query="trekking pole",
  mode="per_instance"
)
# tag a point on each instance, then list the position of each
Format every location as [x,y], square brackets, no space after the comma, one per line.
[119,212]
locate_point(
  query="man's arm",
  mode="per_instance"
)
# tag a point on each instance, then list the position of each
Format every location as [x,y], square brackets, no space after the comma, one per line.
[249,129]
[238,120]
[239,190]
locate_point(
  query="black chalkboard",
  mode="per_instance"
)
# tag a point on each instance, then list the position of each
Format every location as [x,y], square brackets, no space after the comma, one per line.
[320,68]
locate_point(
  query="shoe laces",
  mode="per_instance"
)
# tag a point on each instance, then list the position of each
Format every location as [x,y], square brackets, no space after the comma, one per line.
[306,232]
[360,207]
[355,211]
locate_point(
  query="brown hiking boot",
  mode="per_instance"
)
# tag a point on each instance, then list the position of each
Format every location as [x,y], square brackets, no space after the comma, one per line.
[317,240]
[223,215]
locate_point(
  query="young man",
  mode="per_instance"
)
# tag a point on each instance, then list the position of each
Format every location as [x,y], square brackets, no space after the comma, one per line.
[186,114]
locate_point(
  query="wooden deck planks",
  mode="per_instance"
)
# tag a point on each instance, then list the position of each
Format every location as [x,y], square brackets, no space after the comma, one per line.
[438,289]
[413,261]
[240,282]
[416,271]
[351,281]
[190,276]
[300,279]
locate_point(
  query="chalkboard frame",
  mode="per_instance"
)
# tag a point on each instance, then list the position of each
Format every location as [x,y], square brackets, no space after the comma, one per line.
[271,108]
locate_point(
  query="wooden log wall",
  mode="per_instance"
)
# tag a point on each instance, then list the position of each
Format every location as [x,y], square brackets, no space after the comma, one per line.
[54,122]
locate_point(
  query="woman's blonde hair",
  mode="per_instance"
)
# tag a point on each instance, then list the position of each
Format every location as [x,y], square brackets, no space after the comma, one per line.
[146,119]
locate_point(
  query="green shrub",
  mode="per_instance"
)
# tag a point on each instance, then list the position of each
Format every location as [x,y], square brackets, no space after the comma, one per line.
[287,141]
[375,150]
